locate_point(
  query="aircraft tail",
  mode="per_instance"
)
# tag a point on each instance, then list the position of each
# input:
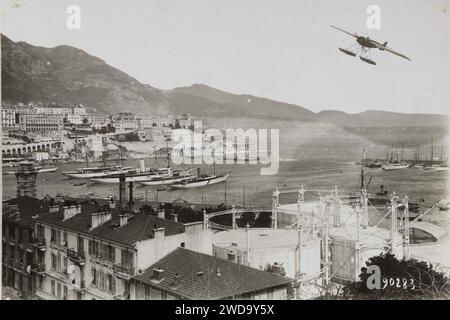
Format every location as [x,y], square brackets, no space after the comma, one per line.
[384,45]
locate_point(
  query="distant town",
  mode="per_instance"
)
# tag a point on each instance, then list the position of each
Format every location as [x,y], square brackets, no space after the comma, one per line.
[77,133]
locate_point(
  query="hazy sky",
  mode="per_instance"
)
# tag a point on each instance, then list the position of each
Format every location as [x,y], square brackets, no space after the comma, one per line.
[279,49]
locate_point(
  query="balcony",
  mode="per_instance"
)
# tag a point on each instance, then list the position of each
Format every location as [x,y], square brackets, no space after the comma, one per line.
[38,268]
[124,272]
[18,265]
[76,257]
[81,287]
[39,243]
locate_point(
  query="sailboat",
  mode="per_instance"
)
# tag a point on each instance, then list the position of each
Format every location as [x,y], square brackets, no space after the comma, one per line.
[395,165]
[437,167]
[201,180]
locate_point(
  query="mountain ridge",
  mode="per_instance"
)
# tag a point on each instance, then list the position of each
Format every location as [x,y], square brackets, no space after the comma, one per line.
[65,74]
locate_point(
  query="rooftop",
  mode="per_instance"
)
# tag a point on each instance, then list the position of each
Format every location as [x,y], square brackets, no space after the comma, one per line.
[193,275]
[140,226]
[261,238]
[27,207]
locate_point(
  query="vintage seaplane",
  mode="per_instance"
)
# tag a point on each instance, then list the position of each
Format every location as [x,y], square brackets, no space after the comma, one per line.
[365,44]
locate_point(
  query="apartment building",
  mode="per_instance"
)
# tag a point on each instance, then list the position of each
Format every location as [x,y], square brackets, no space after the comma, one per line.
[41,121]
[17,244]
[92,252]
[10,120]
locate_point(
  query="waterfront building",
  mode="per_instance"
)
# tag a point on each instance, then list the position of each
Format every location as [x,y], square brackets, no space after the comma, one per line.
[47,145]
[125,121]
[184,121]
[185,274]
[76,119]
[95,146]
[144,122]
[10,120]
[98,121]
[31,122]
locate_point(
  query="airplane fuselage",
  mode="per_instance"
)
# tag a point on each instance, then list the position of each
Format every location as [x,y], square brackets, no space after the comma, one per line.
[366,42]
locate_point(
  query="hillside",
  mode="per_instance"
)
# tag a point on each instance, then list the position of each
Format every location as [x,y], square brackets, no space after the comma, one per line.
[65,74]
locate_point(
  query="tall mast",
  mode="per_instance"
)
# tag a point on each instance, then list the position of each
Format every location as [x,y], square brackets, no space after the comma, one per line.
[156,158]
[418,152]
[402,152]
[432,147]
[168,156]
[362,170]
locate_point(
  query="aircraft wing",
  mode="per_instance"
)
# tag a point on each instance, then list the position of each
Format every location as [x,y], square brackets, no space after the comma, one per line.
[379,46]
[350,34]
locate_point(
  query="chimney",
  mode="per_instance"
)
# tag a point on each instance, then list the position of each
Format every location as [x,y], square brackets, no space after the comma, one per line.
[71,211]
[53,209]
[122,190]
[162,213]
[158,274]
[276,268]
[130,196]
[123,219]
[158,233]
[175,217]
[142,165]
[176,280]
[99,218]
[112,203]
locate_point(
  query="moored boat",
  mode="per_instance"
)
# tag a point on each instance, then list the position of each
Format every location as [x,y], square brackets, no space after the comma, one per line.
[40,169]
[165,180]
[200,181]
[142,176]
[94,172]
[395,166]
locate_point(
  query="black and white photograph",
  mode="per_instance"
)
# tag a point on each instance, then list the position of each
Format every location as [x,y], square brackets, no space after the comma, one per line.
[259,151]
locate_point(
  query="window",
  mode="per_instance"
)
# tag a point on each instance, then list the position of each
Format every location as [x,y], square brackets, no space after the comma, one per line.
[183,244]
[111,284]
[91,247]
[66,293]
[270,294]
[39,283]
[147,292]
[53,261]
[94,276]
[126,258]
[111,253]
[58,289]
[12,231]
[102,280]
[52,283]
[80,244]
[58,262]
[64,264]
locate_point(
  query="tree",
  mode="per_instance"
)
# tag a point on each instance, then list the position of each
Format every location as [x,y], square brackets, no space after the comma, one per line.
[147,209]
[398,279]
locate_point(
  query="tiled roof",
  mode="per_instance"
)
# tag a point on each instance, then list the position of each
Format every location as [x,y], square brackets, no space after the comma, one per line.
[206,277]
[27,208]
[139,227]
